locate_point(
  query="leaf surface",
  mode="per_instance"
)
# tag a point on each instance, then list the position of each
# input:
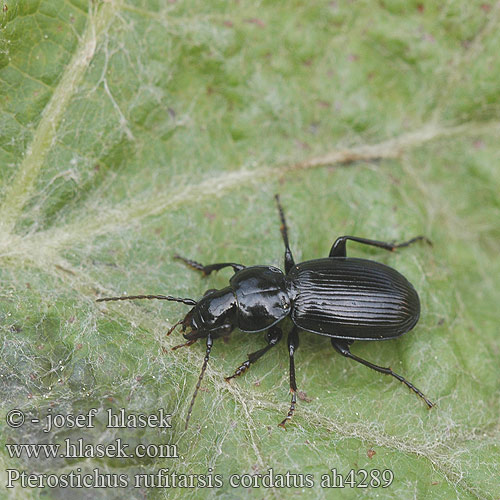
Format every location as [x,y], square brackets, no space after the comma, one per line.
[134,131]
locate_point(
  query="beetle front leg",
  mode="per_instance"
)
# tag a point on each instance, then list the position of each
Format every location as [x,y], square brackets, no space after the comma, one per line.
[342,347]
[206,270]
[339,247]
[273,336]
[293,344]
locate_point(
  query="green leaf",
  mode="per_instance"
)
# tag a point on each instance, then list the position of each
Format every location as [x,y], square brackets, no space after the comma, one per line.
[134,131]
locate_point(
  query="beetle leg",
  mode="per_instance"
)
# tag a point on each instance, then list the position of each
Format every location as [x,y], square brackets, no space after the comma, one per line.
[339,247]
[293,344]
[206,270]
[289,262]
[273,336]
[342,347]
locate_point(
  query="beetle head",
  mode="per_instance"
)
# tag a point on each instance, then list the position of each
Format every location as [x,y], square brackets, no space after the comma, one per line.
[214,314]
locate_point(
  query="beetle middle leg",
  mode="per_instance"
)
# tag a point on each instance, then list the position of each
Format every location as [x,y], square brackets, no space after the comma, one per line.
[339,247]
[293,344]
[206,270]
[289,262]
[342,347]
[273,336]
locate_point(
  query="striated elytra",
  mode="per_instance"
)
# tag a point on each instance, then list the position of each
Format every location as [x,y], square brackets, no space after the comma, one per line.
[340,297]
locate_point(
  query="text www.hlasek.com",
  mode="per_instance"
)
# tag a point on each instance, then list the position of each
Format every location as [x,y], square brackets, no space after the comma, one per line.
[80,449]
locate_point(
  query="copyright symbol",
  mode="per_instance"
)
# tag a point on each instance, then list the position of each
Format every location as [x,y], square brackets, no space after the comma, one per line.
[15,418]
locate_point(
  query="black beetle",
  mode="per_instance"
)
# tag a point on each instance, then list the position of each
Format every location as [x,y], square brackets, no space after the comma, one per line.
[340,297]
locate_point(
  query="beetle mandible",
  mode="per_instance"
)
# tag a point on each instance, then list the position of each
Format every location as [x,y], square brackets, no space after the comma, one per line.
[340,297]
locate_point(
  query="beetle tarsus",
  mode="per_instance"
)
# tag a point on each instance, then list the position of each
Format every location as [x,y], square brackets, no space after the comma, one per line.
[291,411]
[241,369]
[413,240]
[206,270]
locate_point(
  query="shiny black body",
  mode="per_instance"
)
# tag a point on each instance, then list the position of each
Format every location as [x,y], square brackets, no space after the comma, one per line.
[262,297]
[354,299]
[340,297]
[343,298]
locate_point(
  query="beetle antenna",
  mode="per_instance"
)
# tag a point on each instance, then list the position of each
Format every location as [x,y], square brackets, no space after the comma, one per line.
[203,368]
[189,302]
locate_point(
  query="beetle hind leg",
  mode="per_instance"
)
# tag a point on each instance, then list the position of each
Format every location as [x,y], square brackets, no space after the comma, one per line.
[273,336]
[339,247]
[342,347]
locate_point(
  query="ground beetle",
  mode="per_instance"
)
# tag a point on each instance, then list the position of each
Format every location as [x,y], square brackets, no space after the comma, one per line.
[340,297]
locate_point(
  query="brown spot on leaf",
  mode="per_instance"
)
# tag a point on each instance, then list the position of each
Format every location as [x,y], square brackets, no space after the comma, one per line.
[304,397]
[255,20]
[302,145]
